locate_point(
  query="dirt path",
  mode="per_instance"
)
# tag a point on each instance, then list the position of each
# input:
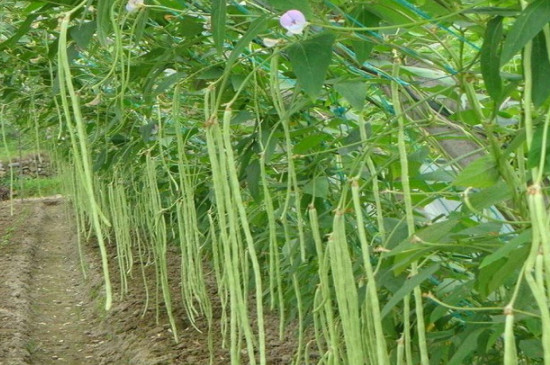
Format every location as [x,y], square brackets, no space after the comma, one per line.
[42,301]
[49,314]
[58,321]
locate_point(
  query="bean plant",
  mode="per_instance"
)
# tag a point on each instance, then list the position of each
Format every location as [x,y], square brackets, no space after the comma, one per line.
[374,173]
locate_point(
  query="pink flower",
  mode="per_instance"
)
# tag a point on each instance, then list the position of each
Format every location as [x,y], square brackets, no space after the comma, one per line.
[293,21]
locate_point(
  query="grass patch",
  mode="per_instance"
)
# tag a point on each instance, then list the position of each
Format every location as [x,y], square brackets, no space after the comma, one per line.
[35,187]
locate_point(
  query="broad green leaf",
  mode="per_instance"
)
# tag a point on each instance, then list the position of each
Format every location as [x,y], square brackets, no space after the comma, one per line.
[317,187]
[310,142]
[437,232]
[35,5]
[253,179]
[494,275]
[363,16]
[490,56]
[188,26]
[536,150]
[505,250]
[440,175]
[104,21]
[540,67]
[211,73]
[490,196]
[516,143]
[219,9]
[242,117]
[408,287]
[398,231]
[21,31]
[453,294]
[483,230]
[468,116]
[532,348]
[466,348]
[412,247]
[256,27]
[362,48]
[166,83]
[481,173]
[141,24]
[284,5]
[310,60]
[488,10]
[393,14]
[354,92]
[83,33]
[528,24]
[434,8]
[173,4]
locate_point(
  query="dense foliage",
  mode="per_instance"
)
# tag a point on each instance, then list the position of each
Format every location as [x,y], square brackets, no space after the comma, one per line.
[377,175]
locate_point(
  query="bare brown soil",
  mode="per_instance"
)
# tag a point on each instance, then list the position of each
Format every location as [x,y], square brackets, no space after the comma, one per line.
[51,314]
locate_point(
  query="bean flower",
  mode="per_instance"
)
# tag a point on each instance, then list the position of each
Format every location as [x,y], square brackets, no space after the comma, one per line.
[133,5]
[293,21]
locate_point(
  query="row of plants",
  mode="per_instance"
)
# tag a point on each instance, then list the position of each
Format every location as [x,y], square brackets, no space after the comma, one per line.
[374,172]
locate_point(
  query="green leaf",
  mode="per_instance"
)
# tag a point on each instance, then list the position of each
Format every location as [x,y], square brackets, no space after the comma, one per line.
[166,83]
[366,18]
[494,275]
[219,10]
[82,34]
[498,267]
[536,152]
[410,248]
[482,230]
[318,187]
[310,142]
[493,11]
[141,24]
[489,59]
[354,92]
[284,5]
[437,231]
[466,348]
[505,250]
[187,26]
[253,179]
[440,175]
[174,4]
[540,68]
[395,14]
[532,348]
[408,286]
[454,297]
[468,116]
[310,60]
[362,48]
[104,21]
[528,24]
[21,31]
[490,196]
[516,143]
[256,27]
[481,173]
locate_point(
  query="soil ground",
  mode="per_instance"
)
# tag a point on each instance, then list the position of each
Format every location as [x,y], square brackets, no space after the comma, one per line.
[51,314]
